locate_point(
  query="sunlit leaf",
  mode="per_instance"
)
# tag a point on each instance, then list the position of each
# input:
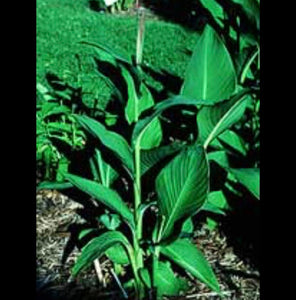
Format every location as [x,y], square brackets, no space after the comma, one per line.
[210,74]
[182,187]
[186,255]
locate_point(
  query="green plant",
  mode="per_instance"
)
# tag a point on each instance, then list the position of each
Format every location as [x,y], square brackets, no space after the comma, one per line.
[221,89]
[54,122]
[182,185]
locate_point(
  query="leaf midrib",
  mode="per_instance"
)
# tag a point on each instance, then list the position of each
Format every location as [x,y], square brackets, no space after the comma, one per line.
[215,129]
[177,202]
[192,269]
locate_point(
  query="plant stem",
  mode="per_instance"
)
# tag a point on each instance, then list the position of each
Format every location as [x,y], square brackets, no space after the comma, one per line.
[140,38]
[138,220]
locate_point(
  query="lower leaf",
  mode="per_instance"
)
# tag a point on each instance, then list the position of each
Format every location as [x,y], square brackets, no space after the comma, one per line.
[97,247]
[187,256]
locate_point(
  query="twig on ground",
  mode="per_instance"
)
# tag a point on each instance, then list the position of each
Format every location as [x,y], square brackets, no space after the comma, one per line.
[196,296]
[125,295]
[99,272]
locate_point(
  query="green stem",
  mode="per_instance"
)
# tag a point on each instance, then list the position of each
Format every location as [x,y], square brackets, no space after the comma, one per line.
[138,220]
[138,286]
[156,255]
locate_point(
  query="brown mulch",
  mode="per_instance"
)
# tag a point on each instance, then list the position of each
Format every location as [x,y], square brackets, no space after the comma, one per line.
[55,212]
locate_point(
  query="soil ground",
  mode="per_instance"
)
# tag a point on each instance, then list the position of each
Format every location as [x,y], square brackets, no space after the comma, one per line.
[55,213]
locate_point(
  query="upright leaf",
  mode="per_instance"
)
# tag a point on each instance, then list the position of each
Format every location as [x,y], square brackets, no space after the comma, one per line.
[153,135]
[136,104]
[107,173]
[210,74]
[97,247]
[187,256]
[182,187]
[109,139]
[103,194]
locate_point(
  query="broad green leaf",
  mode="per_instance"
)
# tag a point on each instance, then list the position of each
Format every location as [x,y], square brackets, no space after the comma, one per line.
[97,247]
[166,282]
[250,178]
[182,187]
[159,108]
[212,121]
[213,209]
[107,54]
[216,203]
[210,74]
[118,255]
[187,255]
[103,194]
[150,158]
[233,140]
[153,135]
[220,157]
[110,139]
[132,108]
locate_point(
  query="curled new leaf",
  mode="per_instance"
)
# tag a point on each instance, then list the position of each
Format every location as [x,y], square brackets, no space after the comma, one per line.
[136,104]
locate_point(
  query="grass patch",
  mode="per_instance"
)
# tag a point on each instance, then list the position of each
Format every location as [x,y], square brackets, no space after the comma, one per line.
[61,24]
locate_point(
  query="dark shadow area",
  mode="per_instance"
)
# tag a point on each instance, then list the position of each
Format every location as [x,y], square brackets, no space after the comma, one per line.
[191,14]
[97,5]
[171,84]
[71,96]
[185,12]
[242,225]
